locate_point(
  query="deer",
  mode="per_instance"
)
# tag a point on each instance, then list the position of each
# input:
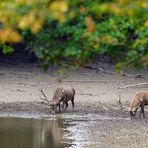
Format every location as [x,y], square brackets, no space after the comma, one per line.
[50,103]
[61,94]
[139,101]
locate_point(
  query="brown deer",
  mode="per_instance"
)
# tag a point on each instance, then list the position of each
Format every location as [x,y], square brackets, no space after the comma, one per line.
[138,101]
[61,94]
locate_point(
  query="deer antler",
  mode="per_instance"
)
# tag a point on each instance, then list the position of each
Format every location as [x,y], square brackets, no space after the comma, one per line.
[45,97]
[120,103]
[44,102]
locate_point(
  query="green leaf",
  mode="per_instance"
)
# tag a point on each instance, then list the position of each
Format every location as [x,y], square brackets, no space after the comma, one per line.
[7,49]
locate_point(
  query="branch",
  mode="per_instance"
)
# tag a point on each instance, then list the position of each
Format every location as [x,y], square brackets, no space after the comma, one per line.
[99,69]
[87,94]
[133,85]
[133,76]
[86,81]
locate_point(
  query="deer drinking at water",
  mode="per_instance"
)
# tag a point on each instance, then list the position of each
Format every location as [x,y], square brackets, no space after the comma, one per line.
[139,101]
[61,94]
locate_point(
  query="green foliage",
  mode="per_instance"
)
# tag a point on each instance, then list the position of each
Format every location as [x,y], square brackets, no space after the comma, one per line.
[77,30]
[6,49]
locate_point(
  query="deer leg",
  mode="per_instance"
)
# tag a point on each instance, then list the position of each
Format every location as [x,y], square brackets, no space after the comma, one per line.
[140,111]
[72,101]
[59,108]
[63,106]
[66,103]
[60,105]
[143,113]
[142,108]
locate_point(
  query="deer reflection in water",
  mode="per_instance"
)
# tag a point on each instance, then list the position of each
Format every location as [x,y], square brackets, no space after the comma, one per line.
[31,133]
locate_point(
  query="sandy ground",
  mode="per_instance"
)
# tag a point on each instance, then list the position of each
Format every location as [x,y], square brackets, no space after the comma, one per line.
[96,91]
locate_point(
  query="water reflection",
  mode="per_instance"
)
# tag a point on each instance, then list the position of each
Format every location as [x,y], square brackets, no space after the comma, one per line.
[30,133]
[72,131]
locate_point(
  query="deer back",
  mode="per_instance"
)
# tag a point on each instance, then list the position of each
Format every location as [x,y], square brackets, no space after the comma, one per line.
[68,93]
[138,98]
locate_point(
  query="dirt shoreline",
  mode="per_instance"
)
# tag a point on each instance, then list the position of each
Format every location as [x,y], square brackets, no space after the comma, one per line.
[96,91]
[37,109]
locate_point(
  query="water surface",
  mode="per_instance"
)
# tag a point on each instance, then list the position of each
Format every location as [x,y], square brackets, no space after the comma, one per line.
[31,133]
[73,131]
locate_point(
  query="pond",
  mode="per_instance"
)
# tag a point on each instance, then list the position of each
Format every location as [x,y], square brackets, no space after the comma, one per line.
[31,133]
[73,131]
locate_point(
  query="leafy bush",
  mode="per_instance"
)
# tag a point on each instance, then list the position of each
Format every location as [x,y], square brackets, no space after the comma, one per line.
[74,31]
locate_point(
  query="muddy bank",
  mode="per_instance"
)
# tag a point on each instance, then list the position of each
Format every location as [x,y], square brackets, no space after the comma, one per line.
[98,88]
[115,133]
[38,109]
